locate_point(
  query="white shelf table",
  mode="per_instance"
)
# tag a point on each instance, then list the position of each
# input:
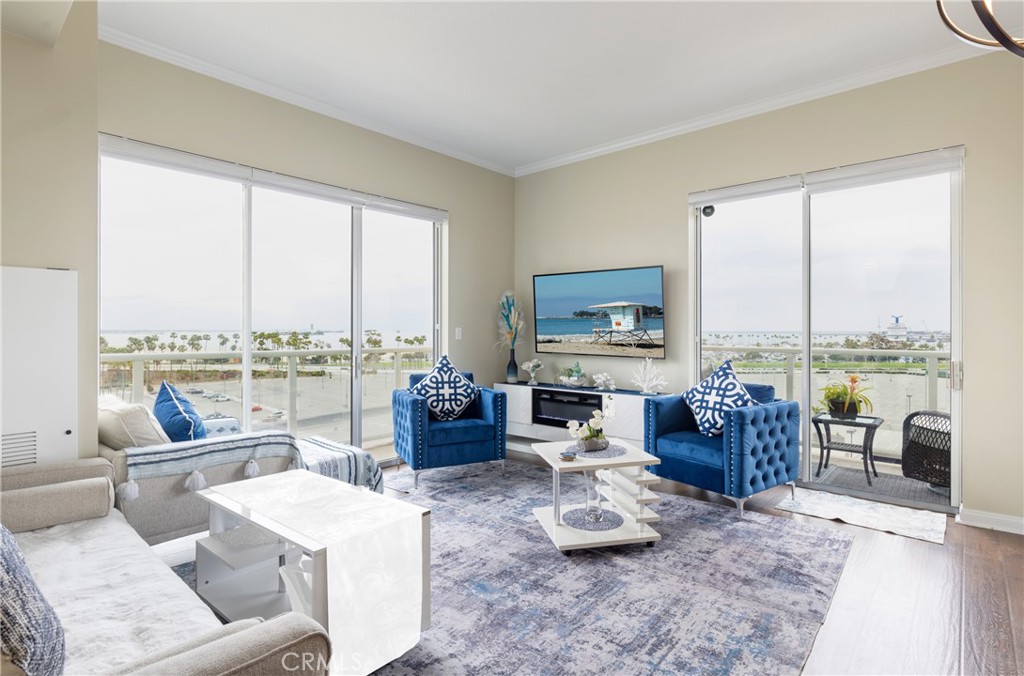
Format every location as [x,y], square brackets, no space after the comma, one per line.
[369,552]
[625,484]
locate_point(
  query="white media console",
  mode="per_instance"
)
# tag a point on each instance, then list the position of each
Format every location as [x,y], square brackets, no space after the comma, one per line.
[539,413]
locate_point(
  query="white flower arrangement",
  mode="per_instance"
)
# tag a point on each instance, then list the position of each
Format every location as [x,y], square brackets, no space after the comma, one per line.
[648,377]
[603,381]
[532,367]
[594,428]
[510,320]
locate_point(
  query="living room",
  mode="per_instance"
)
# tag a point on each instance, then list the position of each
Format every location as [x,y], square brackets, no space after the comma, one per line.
[503,229]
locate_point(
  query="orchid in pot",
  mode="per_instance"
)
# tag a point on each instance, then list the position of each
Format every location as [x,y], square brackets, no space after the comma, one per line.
[590,435]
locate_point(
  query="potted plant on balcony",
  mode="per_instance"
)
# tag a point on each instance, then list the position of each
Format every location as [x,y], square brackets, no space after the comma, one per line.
[845,399]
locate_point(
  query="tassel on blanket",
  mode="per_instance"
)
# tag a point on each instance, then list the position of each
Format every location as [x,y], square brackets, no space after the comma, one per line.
[127,491]
[195,481]
[252,468]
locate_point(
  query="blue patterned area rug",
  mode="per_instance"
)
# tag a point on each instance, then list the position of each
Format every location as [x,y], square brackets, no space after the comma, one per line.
[718,595]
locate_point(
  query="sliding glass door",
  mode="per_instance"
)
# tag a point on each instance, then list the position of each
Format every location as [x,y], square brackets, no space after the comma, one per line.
[853,272]
[301,313]
[398,324]
[881,318]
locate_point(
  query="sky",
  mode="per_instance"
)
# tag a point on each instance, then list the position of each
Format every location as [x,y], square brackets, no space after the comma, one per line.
[876,251]
[171,260]
[171,243]
[562,294]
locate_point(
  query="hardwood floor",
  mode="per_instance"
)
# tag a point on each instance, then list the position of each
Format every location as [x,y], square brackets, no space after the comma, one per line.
[905,606]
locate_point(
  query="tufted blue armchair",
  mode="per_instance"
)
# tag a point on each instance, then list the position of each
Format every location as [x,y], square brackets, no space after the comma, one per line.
[758,449]
[424,442]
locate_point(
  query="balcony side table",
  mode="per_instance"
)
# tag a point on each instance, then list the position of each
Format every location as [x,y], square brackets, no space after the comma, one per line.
[868,423]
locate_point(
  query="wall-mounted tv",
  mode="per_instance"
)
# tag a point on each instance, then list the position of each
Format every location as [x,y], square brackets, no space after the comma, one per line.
[613,313]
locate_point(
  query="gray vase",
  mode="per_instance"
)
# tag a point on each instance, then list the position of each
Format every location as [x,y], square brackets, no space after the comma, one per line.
[598,444]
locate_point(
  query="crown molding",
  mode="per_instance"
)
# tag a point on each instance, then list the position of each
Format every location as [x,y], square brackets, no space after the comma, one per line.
[956,52]
[874,76]
[233,77]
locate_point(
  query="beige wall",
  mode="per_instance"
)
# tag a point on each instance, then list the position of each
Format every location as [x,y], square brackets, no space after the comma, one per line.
[55,101]
[630,208]
[49,175]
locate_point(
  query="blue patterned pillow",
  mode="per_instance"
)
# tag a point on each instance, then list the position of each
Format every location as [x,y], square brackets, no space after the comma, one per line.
[30,629]
[719,392]
[447,391]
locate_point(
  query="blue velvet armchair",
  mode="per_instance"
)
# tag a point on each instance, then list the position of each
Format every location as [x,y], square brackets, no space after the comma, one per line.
[424,442]
[758,449]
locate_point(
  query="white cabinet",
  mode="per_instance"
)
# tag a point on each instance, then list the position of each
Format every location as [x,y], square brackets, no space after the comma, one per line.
[628,423]
[40,366]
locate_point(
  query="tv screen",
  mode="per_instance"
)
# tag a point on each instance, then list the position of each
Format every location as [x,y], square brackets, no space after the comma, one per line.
[613,313]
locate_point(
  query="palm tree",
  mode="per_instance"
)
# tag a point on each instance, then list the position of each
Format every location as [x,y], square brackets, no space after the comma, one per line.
[206,340]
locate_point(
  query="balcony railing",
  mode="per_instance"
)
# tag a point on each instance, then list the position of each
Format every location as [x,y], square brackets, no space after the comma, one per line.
[790,354]
[389,362]
[893,400]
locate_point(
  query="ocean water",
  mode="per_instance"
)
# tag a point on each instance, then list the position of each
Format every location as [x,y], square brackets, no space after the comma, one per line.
[573,326]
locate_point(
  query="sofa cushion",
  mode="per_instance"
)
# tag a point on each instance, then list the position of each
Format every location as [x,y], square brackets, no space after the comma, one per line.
[442,432]
[762,394]
[692,447]
[447,391]
[117,601]
[31,632]
[123,425]
[177,415]
[719,392]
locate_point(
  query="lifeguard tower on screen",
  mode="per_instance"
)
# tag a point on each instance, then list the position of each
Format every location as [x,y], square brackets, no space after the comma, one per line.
[627,324]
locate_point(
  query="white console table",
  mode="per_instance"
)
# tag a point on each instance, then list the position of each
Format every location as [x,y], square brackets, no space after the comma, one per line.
[628,423]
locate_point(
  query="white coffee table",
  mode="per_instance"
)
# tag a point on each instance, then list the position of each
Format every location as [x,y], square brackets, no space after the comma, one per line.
[370,561]
[624,485]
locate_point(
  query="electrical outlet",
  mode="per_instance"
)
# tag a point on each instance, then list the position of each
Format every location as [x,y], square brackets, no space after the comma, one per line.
[458,333]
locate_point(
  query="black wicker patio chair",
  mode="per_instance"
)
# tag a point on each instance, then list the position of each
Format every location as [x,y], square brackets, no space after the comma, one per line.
[926,447]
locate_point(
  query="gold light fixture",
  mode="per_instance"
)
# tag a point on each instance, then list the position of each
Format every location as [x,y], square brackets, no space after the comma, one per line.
[987,15]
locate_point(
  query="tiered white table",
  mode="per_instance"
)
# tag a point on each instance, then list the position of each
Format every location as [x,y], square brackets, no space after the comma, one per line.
[625,486]
[370,561]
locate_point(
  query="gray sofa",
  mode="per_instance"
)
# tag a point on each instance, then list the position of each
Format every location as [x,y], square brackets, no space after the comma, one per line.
[122,609]
[164,509]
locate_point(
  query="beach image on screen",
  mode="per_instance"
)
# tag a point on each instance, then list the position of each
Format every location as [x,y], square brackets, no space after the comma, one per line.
[607,312]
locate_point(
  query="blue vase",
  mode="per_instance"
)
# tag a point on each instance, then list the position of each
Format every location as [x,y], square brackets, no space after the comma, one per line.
[512,370]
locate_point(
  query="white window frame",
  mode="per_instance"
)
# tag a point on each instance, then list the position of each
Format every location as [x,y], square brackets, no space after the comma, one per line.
[250,177]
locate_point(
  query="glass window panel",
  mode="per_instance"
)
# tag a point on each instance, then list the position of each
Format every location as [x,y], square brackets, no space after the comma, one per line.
[398,315]
[170,282]
[301,314]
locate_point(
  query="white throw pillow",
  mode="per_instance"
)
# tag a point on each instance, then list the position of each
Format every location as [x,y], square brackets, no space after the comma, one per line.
[124,425]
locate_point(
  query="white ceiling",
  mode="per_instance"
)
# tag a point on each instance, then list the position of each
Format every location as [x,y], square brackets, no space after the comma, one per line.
[521,87]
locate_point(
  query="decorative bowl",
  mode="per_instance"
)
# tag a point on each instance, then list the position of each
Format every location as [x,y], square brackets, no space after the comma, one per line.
[567,456]
[573,382]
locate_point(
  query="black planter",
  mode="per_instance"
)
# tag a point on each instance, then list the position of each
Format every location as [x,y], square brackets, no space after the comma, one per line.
[835,409]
